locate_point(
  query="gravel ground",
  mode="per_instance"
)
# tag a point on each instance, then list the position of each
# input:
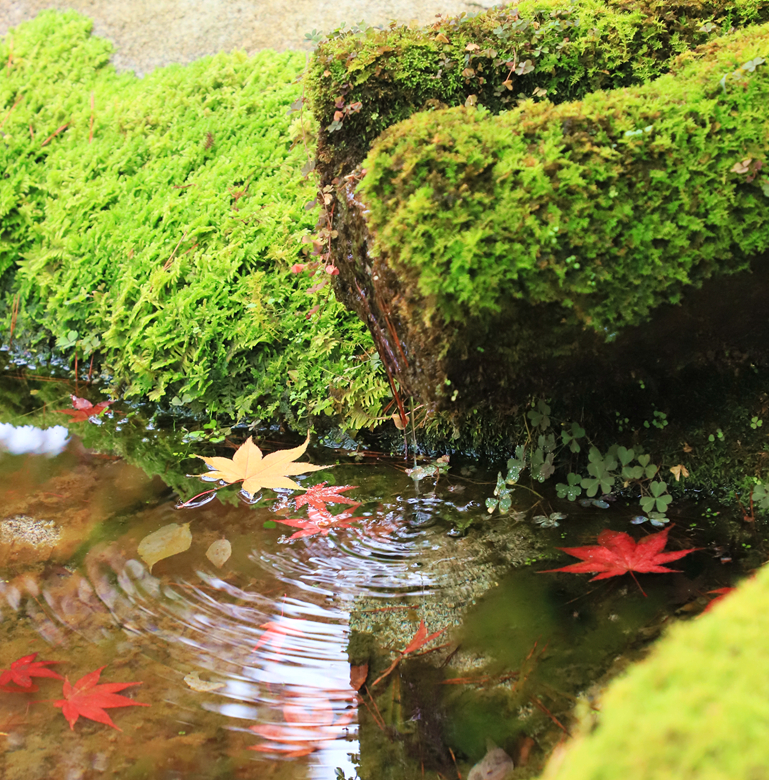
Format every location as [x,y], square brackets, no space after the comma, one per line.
[152,33]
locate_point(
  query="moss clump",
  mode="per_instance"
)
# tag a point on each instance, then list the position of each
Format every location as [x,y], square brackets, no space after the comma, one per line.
[698,707]
[157,227]
[362,83]
[531,226]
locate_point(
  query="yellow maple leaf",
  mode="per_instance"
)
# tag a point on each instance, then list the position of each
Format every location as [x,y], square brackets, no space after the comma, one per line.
[679,471]
[257,471]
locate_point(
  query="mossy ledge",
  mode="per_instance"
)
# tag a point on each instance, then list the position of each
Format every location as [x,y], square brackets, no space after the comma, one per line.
[506,251]
[360,83]
[151,224]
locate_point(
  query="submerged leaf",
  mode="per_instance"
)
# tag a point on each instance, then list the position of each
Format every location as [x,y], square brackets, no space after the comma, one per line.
[24,669]
[165,542]
[88,699]
[202,686]
[219,552]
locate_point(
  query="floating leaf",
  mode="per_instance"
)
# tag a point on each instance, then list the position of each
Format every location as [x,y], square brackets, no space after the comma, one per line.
[82,409]
[165,542]
[219,552]
[256,471]
[617,553]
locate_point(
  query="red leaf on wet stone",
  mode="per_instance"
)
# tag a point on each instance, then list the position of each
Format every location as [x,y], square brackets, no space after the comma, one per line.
[89,699]
[319,495]
[617,553]
[321,521]
[23,670]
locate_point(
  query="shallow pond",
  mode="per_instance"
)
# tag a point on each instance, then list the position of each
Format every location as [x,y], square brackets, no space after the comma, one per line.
[273,663]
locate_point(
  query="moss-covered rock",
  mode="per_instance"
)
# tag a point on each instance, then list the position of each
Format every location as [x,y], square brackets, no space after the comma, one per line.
[153,223]
[504,243]
[698,707]
[363,82]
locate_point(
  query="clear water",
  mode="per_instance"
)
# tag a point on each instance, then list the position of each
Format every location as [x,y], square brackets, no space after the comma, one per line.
[247,667]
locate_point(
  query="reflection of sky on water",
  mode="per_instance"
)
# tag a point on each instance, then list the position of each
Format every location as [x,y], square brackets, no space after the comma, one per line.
[26,439]
[299,664]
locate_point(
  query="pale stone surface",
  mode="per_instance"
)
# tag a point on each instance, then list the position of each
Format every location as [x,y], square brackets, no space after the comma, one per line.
[152,33]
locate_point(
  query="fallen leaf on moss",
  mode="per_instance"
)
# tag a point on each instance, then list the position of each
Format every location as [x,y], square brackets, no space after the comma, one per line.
[419,640]
[358,676]
[257,471]
[679,471]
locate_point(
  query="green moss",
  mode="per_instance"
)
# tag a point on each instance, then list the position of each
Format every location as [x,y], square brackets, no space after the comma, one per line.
[157,229]
[605,208]
[698,707]
[571,48]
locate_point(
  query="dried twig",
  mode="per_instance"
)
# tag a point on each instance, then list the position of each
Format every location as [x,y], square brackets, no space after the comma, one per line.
[54,134]
[18,100]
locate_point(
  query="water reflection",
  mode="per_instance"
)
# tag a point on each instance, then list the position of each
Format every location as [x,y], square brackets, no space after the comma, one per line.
[26,439]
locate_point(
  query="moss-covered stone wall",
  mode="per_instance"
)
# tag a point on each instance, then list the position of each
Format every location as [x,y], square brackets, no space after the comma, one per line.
[362,83]
[548,230]
[152,224]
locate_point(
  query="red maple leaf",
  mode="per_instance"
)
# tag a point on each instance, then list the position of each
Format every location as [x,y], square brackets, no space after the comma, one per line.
[82,409]
[617,553]
[23,670]
[319,495]
[309,723]
[88,699]
[418,641]
[321,521]
[275,634]
[722,593]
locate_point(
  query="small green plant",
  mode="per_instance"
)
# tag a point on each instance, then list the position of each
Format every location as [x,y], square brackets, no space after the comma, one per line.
[756,423]
[659,420]
[618,466]
[719,434]
[659,500]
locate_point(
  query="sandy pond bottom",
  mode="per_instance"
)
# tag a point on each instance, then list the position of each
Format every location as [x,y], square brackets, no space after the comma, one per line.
[246,667]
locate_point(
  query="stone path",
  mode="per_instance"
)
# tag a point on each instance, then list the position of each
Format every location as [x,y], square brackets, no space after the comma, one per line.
[152,33]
